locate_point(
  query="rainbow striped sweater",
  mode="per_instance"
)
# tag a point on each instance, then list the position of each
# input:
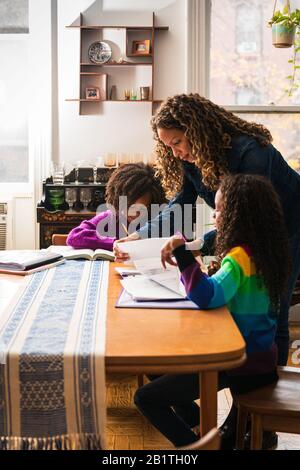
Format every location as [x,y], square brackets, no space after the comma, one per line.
[236,285]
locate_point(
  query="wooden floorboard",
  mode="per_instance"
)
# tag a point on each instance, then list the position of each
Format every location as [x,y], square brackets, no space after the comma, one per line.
[127,429]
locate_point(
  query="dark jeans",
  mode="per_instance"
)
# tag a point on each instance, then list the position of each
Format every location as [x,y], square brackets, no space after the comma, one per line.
[168,402]
[155,399]
[282,335]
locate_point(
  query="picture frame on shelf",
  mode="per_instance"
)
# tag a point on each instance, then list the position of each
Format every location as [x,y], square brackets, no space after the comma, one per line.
[141,47]
[92,93]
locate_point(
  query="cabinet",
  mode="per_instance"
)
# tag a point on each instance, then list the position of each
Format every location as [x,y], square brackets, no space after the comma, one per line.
[60,219]
[131,66]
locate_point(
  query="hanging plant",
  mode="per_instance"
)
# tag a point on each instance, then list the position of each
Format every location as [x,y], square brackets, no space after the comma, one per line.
[284,25]
[294,85]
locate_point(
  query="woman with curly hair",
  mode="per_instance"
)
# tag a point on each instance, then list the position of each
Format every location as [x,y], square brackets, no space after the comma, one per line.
[252,277]
[197,144]
[139,184]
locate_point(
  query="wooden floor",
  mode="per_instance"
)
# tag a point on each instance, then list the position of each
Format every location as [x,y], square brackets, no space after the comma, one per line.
[128,430]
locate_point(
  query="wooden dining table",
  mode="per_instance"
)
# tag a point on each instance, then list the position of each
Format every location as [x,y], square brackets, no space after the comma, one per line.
[162,341]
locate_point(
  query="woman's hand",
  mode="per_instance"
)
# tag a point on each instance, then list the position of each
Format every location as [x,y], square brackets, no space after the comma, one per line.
[168,248]
[120,257]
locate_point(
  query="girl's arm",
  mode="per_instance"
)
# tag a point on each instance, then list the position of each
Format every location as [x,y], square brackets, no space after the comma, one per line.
[85,235]
[205,291]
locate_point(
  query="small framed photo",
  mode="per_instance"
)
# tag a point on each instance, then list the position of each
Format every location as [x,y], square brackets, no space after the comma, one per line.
[141,47]
[92,93]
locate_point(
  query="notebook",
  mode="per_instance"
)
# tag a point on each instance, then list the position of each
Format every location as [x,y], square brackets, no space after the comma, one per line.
[27,261]
[32,271]
[69,252]
[142,288]
[145,255]
[126,301]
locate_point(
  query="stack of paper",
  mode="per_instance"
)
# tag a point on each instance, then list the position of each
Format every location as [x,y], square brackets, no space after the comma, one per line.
[23,262]
[155,283]
[142,288]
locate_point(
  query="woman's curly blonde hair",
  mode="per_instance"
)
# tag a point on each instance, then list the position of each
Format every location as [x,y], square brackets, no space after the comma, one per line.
[209,130]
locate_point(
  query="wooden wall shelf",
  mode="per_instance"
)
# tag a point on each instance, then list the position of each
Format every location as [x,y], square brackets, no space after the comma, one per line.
[90,78]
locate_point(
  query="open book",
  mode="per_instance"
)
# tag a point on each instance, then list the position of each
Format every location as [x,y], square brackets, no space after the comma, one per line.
[27,261]
[155,282]
[71,253]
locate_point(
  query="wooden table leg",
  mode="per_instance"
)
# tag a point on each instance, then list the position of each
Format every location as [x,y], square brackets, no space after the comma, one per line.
[208,401]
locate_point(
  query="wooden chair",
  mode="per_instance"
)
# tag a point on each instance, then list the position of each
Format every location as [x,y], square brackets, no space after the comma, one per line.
[296,293]
[59,239]
[275,407]
[211,441]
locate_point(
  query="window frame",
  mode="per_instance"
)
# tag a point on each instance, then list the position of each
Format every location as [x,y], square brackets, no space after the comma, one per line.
[15,187]
[198,80]
[198,25]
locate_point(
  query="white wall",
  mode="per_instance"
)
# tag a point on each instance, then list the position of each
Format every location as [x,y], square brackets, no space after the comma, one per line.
[121,127]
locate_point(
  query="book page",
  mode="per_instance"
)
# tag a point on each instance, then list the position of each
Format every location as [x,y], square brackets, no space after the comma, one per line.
[104,254]
[169,278]
[69,252]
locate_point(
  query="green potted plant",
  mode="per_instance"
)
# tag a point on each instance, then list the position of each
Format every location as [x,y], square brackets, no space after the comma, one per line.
[284,25]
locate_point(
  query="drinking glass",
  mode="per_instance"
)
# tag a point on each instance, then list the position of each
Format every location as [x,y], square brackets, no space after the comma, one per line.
[133,95]
[127,95]
[76,173]
[70,197]
[85,197]
[137,158]
[95,168]
[145,93]
[124,158]
[110,160]
[58,173]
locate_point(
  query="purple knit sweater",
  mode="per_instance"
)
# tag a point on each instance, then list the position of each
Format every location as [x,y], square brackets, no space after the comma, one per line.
[86,236]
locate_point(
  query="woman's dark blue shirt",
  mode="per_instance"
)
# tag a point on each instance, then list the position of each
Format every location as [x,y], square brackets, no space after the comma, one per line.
[247,157]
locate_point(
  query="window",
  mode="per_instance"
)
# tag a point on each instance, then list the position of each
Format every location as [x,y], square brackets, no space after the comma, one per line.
[248,28]
[14,92]
[246,95]
[248,75]
[232,35]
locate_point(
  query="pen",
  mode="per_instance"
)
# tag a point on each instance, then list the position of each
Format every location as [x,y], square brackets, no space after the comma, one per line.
[125,228]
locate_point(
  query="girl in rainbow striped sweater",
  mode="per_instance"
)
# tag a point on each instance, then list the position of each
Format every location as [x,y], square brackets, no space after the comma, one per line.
[253,253]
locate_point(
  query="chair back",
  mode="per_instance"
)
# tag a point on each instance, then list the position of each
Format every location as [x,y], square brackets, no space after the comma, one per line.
[59,239]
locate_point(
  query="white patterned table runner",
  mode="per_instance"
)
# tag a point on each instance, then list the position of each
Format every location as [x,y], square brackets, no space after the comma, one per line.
[52,385]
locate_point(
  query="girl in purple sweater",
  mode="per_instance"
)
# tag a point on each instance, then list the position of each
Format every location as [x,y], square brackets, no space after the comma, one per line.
[135,181]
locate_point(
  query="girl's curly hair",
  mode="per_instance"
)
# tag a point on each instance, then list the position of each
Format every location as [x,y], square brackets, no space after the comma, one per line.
[209,130]
[252,216]
[134,180]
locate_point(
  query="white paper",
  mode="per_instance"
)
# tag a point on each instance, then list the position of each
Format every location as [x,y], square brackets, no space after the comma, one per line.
[169,278]
[139,249]
[145,255]
[143,288]
[126,301]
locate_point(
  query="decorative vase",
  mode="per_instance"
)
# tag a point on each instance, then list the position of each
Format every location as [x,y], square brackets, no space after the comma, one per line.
[283,36]
[113,93]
